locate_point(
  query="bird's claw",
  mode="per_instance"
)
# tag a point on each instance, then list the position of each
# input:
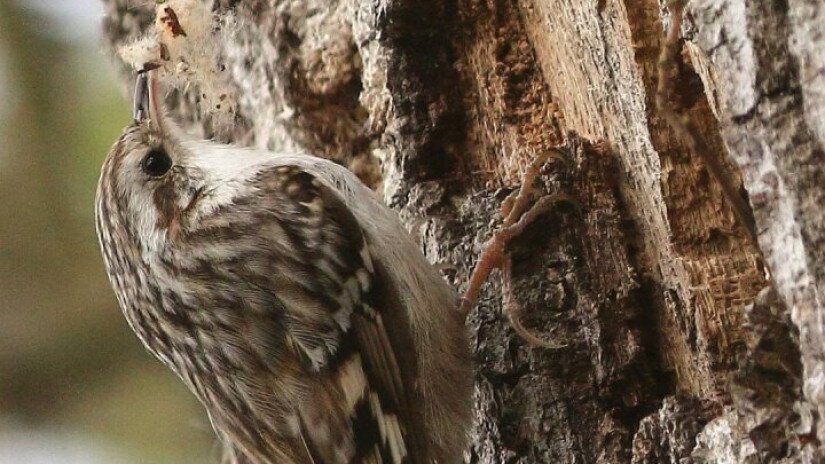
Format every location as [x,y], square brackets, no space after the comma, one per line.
[517,216]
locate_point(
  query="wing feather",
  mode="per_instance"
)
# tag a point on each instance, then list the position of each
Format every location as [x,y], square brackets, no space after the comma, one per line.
[340,336]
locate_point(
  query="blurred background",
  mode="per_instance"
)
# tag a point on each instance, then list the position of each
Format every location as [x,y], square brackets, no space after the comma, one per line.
[76,386]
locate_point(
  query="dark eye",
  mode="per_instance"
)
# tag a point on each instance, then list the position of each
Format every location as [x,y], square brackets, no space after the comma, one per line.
[156,163]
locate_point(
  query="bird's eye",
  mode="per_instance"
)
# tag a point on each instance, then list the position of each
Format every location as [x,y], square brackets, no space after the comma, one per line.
[156,163]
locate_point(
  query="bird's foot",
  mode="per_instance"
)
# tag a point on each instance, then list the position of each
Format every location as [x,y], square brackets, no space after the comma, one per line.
[518,215]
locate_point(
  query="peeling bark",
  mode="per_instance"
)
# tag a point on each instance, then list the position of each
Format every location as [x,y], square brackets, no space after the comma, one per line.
[678,348]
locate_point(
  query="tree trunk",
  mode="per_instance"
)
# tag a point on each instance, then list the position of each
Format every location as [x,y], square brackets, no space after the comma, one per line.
[681,340]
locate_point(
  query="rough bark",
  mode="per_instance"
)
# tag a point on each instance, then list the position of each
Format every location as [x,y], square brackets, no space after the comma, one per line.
[677,347]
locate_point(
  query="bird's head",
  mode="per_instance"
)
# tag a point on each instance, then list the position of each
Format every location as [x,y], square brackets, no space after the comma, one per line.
[159,191]
[150,182]
[157,181]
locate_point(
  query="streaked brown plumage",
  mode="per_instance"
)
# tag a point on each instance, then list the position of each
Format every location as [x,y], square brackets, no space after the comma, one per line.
[287,298]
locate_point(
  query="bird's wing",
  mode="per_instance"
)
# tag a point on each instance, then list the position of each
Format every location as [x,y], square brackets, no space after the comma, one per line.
[337,324]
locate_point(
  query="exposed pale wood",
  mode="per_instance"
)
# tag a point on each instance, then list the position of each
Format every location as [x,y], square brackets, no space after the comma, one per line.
[764,62]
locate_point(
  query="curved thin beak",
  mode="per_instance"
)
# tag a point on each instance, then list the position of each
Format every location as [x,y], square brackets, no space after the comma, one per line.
[140,104]
[155,104]
[147,100]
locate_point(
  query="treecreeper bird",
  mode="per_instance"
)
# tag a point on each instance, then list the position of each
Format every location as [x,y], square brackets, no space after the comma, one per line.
[286,296]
